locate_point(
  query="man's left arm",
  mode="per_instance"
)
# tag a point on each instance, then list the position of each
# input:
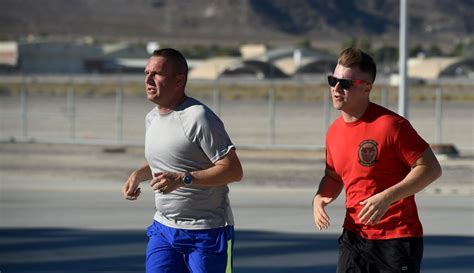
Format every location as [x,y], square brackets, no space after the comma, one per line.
[224,171]
[425,171]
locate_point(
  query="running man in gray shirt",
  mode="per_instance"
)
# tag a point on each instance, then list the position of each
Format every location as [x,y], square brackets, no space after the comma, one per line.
[190,161]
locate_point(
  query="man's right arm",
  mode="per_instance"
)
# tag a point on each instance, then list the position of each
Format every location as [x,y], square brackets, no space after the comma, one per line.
[130,189]
[329,189]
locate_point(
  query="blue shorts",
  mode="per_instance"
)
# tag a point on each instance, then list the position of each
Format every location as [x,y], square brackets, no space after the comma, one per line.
[172,250]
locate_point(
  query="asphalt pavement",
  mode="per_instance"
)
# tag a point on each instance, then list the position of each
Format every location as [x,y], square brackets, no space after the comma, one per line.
[61,210]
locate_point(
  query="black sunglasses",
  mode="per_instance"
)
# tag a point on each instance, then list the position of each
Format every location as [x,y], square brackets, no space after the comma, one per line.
[344,83]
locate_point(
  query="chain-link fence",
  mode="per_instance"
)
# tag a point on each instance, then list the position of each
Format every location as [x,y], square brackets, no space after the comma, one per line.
[260,114]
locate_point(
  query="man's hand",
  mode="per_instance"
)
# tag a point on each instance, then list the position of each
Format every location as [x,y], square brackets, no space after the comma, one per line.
[166,182]
[130,189]
[374,209]
[321,218]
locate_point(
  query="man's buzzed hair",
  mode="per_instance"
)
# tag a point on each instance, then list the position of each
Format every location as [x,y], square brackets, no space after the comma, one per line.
[178,60]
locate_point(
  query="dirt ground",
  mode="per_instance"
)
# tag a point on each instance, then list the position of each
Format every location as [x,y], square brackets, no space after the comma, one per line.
[272,168]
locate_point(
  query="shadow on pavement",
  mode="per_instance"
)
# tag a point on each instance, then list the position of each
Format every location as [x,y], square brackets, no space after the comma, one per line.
[72,250]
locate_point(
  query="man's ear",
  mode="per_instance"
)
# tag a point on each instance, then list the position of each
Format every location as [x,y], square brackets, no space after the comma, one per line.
[180,79]
[368,88]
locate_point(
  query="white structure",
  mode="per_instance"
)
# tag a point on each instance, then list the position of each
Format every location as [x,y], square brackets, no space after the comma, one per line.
[8,54]
[211,69]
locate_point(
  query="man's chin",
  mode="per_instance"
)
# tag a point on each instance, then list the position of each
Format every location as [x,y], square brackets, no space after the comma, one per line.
[151,97]
[337,105]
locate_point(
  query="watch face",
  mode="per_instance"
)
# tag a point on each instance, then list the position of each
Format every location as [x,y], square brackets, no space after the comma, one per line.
[188,179]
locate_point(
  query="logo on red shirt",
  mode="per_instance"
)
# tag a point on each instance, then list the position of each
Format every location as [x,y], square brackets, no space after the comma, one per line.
[368,151]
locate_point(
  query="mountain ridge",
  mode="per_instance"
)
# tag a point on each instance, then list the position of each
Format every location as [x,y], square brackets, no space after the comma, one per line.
[230,22]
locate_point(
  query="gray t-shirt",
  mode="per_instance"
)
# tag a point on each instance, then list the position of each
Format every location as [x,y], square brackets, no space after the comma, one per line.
[187,139]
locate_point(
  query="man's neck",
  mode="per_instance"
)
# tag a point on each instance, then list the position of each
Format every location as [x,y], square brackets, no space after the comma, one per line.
[356,114]
[165,109]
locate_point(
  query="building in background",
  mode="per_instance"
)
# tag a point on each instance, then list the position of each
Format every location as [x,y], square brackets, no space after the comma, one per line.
[9,60]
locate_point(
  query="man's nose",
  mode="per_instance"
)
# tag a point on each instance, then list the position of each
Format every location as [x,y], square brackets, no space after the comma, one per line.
[338,88]
[149,79]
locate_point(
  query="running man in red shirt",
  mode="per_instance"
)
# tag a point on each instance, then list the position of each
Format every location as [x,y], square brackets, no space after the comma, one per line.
[381,162]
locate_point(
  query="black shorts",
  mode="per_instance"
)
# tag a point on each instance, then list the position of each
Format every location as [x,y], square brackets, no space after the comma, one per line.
[359,255]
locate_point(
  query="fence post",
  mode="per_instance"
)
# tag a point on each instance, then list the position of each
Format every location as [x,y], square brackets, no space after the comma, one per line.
[24,108]
[439,115]
[271,115]
[216,99]
[327,111]
[119,113]
[71,110]
[384,96]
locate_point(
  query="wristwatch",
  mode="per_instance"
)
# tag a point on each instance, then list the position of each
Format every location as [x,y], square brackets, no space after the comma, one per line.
[187,179]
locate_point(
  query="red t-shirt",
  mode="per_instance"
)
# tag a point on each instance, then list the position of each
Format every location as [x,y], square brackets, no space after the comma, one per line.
[371,155]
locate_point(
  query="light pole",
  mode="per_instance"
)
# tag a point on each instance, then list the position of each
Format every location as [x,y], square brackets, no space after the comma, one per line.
[402,62]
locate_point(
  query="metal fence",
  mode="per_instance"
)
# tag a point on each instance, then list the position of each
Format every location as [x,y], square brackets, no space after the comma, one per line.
[269,119]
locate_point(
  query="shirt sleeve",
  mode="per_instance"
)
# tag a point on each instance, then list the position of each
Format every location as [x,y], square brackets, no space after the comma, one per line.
[207,130]
[329,161]
[409,144]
